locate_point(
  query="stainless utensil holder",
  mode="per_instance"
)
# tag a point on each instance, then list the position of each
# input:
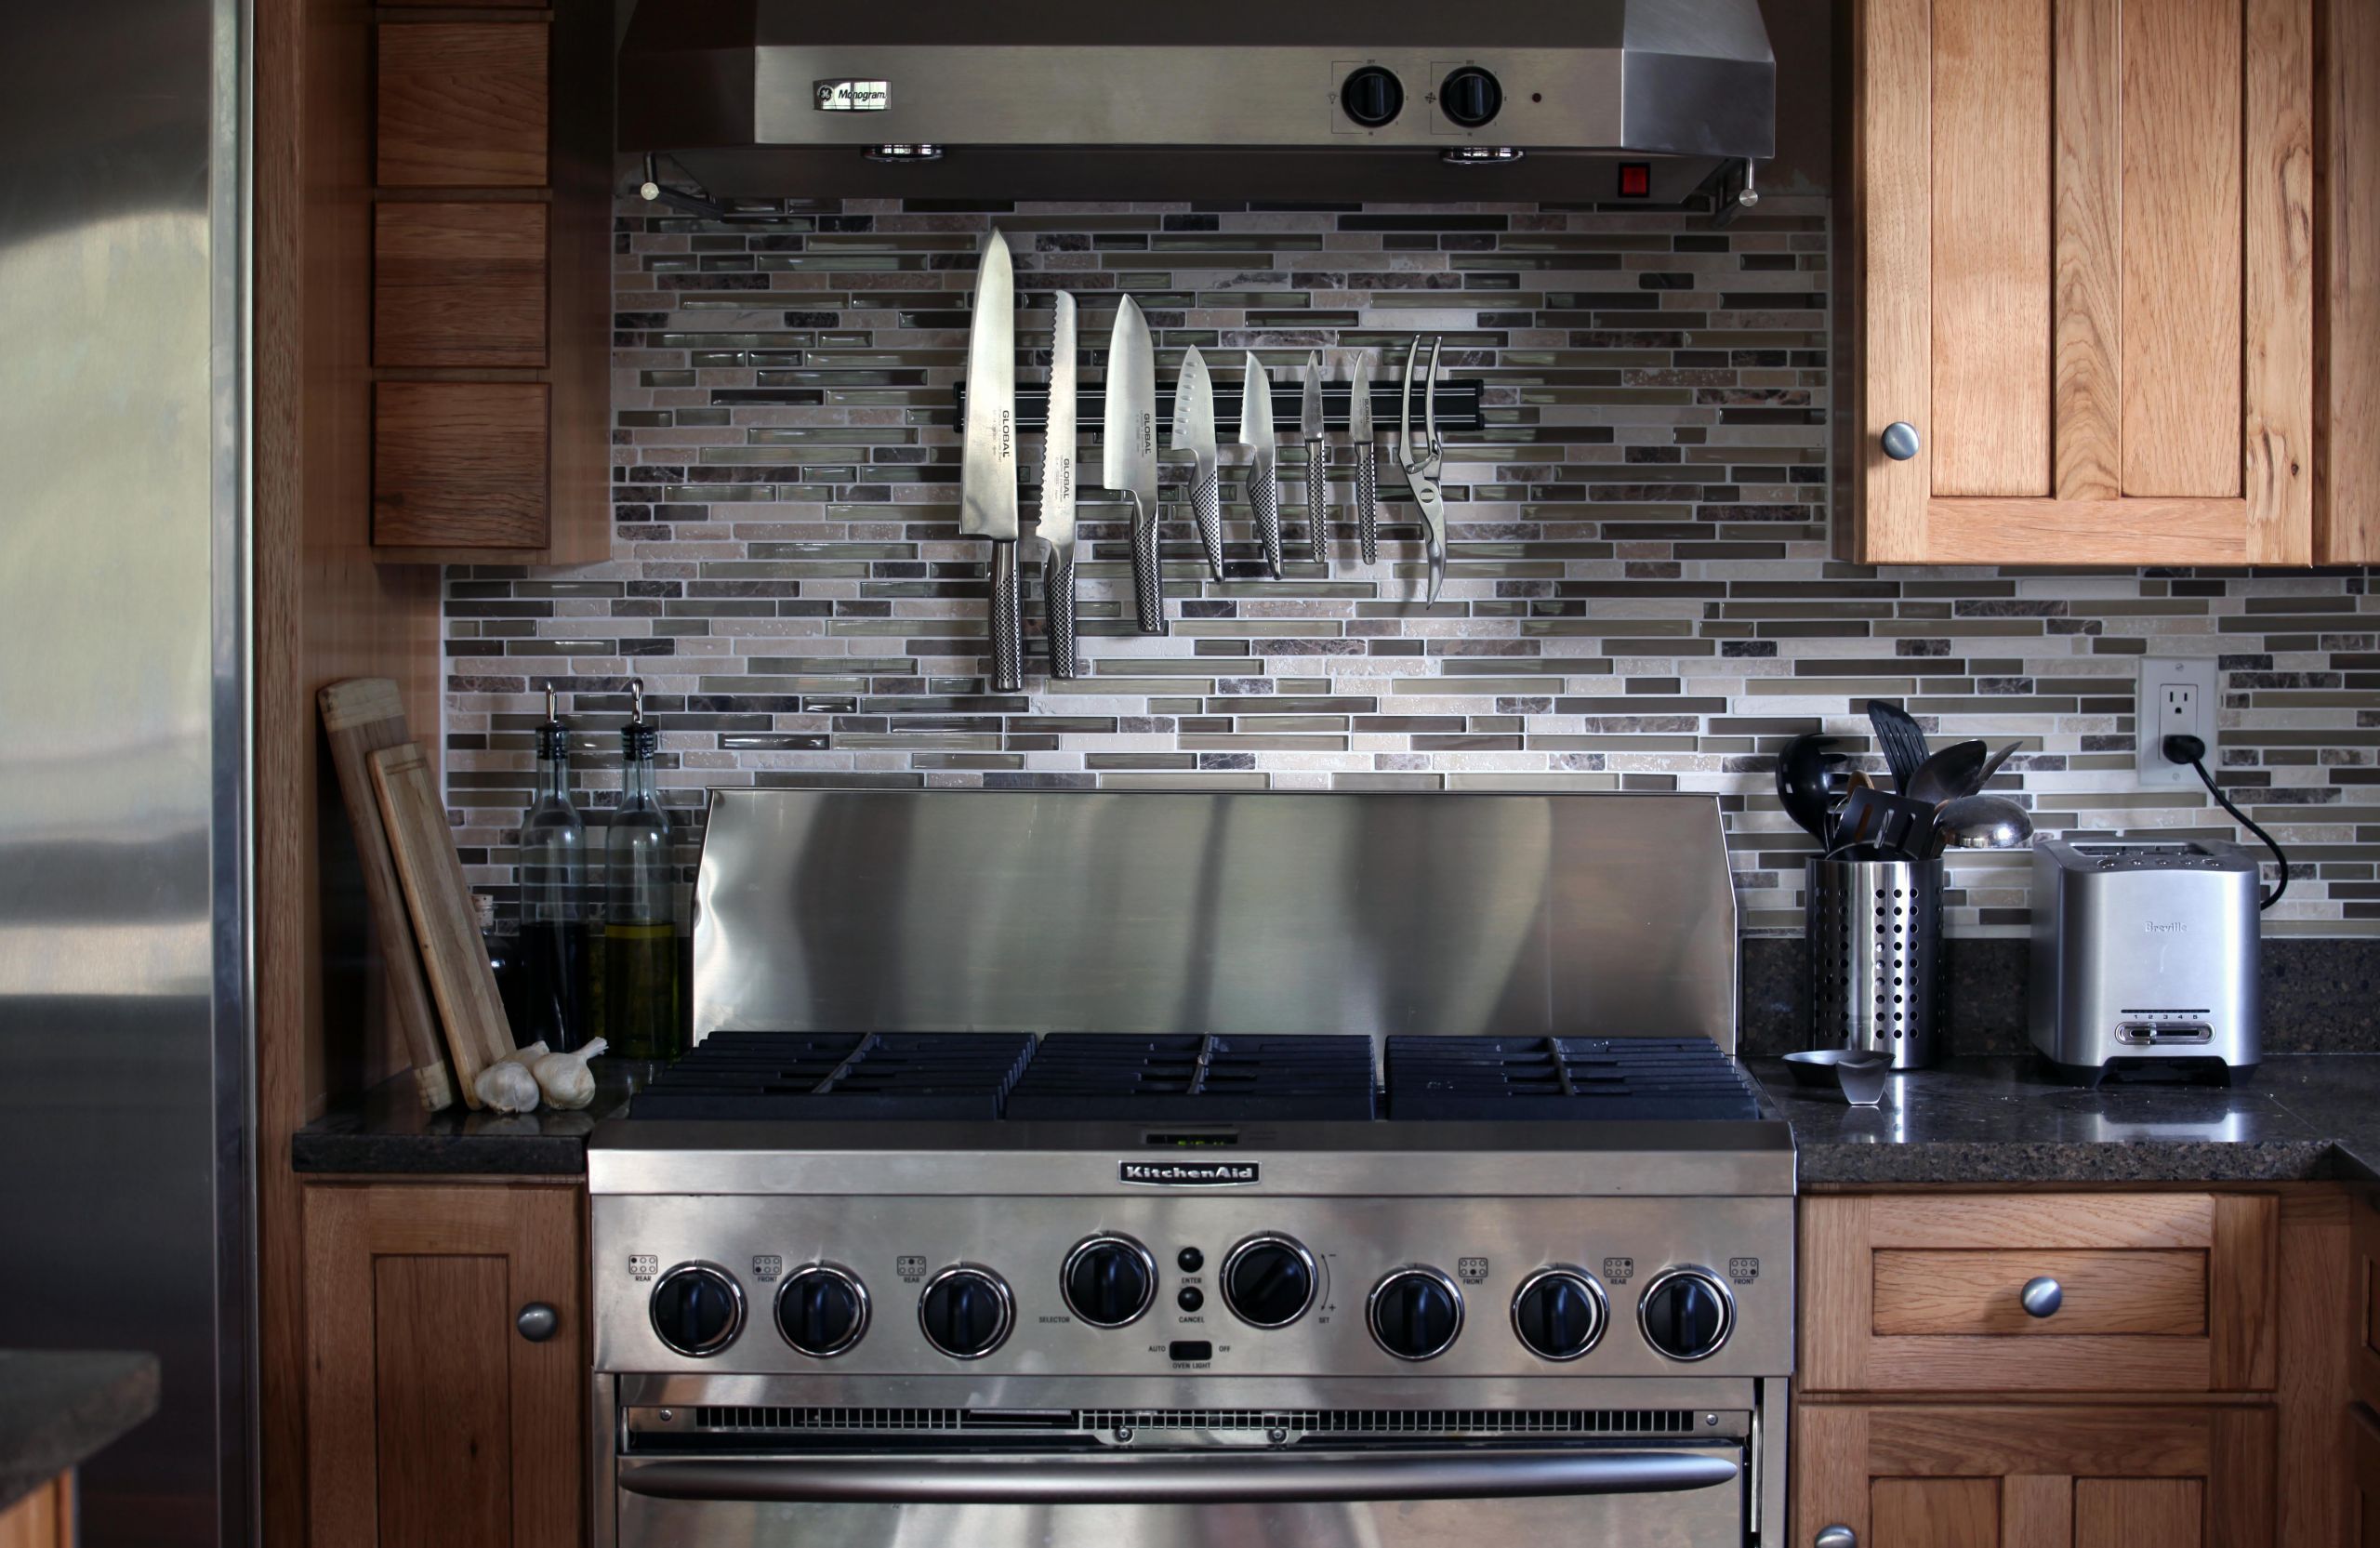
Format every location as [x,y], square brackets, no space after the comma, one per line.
[1874,932]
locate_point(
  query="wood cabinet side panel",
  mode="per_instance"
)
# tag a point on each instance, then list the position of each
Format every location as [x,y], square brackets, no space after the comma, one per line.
[2347,170]
[2278,449]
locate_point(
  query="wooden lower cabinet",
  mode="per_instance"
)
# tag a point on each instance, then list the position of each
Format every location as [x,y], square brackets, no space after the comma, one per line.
[431,1418]
[42,1519]
[2043,1475]
[2364,1440]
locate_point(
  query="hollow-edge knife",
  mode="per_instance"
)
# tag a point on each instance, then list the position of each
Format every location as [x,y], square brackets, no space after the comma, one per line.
[1263,475]
[1359,430]
[1128,450]
[988,460]
[1318,463]
[1194,431]
[1058,494]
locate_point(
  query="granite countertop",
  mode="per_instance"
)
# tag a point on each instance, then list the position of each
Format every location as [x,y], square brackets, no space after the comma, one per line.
[1987,1119]
[1999,1119]
[387,1131]
[59,1408]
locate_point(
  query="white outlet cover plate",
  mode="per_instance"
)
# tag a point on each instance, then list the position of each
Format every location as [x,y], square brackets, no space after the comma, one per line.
[2157,721]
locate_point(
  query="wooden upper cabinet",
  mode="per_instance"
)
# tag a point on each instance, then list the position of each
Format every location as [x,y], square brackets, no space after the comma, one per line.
[2078,261]
[463,104]
[2347,404]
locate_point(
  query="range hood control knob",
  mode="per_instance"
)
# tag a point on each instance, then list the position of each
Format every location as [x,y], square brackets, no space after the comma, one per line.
[1371,96]
[1415,1314]
[697,1309]
[1686,1313]
[1108,1280]
[1269,1280]
[966,1312]
[822,1310]
[1559,1312]
[1471,96]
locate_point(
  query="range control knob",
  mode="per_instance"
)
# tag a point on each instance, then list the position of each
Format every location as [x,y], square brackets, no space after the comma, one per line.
[1269,1280]
[966,1312]
[1415,1314]
[1686,1313]
[1108,1280]
[1470,97]
[1371,96]
[822,1310]
[697,1308]
[1559,1312]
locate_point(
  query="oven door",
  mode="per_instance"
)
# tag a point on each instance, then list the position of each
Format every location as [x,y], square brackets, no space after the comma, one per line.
[1391,1495]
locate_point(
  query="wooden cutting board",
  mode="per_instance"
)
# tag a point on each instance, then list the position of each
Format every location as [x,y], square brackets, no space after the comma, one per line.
[362,716]
[440,904]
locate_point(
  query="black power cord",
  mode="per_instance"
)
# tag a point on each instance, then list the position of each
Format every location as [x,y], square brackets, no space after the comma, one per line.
[2184,748]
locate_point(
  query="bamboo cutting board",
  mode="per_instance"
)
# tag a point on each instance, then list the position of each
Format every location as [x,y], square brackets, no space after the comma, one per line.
[439,904]
[361,716]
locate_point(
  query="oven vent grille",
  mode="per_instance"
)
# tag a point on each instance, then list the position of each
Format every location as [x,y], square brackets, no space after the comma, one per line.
[1436,1422]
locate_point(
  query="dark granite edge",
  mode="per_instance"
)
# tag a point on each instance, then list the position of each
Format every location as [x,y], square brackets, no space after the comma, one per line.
[89,1401]
[322,1154]
[1997,1162]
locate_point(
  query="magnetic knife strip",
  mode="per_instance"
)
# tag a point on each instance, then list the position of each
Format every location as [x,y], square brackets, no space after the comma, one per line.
[1458,404]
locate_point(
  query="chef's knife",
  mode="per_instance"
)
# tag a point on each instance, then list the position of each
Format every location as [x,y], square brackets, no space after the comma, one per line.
[1359,430]
[1318,461]
[1129,452]
[987,467]
[1263,483]
[1193,431]
[1058,494]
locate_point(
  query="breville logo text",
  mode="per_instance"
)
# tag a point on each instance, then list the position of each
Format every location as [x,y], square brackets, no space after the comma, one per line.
[1188,1175]
[2179,927]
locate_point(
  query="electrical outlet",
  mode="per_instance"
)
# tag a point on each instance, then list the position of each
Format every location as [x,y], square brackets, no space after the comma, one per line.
[2178,694]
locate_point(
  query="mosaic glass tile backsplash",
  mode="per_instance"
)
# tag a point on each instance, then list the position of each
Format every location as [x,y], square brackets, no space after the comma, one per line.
[1640,595]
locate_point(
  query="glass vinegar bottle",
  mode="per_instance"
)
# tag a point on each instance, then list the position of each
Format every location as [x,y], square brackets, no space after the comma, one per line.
[552,953]
[640,929]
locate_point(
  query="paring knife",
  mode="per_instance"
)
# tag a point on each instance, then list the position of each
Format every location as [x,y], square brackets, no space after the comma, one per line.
[1129,452]
[1193,431]
[1263,480]
[987,467]
[1058,494]
[1359,430]
[1318,463]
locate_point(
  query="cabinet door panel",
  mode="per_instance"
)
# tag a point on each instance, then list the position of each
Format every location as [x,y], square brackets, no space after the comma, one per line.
[1936,1512]
[446,1452]
[2098,313]
[459,465]
[2138,1512]
[462,104]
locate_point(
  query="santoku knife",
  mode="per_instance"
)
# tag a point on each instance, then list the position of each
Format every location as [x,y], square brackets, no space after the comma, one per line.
[1359,430]
[1058,494]
[1194,431]
[987,467]
[1128,446]
[1317,461]
[1263,483]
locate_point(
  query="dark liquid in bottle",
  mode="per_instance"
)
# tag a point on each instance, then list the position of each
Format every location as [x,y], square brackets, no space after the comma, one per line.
[554,962]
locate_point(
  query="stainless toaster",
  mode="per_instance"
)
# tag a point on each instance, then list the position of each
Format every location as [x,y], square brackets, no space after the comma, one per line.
[2145,960]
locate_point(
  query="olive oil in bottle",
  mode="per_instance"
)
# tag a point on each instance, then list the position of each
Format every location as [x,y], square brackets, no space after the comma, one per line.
[553,947]
[640,933]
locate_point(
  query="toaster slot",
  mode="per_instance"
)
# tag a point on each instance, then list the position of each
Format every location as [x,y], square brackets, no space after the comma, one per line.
[2143,1034]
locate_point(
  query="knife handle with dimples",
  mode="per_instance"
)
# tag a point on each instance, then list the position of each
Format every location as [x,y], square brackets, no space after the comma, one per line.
[1368,502]
[1058,599]
[1008,621]
[1317,502]
[1207,504]
[1265,500]
[1148,570]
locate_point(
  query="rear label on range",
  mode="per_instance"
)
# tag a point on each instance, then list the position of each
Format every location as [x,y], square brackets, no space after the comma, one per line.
[1620,1270]
[641,1266]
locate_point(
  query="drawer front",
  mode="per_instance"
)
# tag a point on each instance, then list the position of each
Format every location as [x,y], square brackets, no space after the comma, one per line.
[462,104]
[459,465]
[458,285]
[1927,1293]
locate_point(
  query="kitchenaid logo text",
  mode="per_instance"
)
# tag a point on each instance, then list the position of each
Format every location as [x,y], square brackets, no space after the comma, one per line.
[1187,1174]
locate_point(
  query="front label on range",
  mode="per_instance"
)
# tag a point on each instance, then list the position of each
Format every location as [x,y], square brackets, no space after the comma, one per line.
[1188,1175]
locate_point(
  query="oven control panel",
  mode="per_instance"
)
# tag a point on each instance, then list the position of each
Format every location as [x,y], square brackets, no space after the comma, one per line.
[726,1284]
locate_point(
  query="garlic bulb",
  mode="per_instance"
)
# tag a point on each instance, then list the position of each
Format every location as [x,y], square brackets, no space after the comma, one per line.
[507,1087]
[565,1078]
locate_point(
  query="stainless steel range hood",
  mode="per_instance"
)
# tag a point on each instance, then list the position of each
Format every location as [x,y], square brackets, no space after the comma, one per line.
[1380,100]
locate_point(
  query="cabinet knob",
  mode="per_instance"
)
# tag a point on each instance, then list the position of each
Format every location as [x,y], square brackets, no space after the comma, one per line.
[537,1321]
[1835,1537]
[2043,1297]
[1900,441]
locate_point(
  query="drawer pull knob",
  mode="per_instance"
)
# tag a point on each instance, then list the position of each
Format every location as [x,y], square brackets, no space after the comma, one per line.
[1900,441]
[2043,1297]
[537,1321]
[1835,1537]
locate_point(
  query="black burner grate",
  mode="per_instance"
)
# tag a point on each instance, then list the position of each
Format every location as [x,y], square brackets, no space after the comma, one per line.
[1108,1076]
[1473,1079]
[840,1075]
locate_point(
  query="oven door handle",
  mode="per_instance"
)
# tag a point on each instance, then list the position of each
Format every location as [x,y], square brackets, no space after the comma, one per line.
[1045,1480]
